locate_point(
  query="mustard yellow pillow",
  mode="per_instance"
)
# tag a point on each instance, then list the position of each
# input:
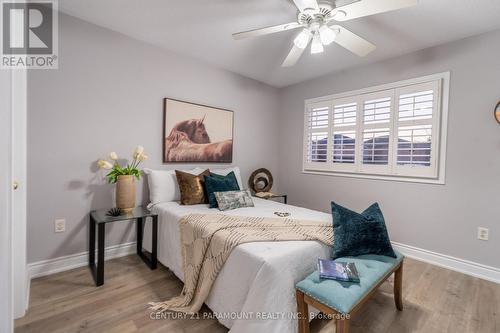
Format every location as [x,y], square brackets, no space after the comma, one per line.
[192,187]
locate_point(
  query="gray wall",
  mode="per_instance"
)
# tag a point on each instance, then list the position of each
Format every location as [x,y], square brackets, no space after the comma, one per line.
[107,96]
[441,218]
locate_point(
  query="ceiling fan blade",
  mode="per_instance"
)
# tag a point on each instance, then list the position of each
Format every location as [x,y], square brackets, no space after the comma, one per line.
[353,42]
[293,56]
[363,8]
[306,5]
[267,30]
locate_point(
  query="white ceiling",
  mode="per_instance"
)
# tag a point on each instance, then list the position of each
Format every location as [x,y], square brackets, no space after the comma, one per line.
[202,29]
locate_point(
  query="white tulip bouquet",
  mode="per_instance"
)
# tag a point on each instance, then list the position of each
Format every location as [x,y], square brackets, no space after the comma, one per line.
[131,169]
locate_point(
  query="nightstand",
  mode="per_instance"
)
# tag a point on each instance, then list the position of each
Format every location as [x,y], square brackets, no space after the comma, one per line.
[270,195]
[99,219]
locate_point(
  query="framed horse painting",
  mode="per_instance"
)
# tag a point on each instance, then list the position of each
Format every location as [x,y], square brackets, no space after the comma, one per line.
[195,133]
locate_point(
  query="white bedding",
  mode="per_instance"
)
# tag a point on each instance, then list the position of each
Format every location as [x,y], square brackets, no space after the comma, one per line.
[258,278]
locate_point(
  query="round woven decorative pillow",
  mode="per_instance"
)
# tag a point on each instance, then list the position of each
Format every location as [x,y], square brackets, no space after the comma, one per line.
[261,180]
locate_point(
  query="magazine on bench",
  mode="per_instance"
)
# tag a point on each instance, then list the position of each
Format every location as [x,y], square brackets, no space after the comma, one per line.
[341,271]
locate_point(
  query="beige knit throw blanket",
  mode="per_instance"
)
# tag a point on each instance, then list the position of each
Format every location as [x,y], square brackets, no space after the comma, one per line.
[208,239]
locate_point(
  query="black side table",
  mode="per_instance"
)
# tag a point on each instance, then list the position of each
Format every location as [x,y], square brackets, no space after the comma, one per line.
[272,196]
[284,196]
[100,219]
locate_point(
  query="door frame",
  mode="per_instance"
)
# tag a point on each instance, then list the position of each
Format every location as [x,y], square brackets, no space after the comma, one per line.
[20,278]
[6,290]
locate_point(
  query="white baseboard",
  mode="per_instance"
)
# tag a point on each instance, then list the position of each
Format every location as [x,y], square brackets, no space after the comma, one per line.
[28,288]
[456,264]
[51,266]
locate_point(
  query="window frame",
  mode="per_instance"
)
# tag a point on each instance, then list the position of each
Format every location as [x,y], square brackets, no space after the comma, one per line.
[392,171]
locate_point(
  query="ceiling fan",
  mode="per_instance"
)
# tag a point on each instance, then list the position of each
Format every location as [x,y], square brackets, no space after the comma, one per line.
[317,20]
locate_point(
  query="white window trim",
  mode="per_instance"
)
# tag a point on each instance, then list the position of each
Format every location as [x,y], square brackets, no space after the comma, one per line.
[442,120]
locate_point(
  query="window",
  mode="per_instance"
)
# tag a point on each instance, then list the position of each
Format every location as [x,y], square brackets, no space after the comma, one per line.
[395,131]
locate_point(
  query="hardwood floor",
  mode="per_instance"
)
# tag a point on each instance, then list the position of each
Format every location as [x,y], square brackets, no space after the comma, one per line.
[435,300]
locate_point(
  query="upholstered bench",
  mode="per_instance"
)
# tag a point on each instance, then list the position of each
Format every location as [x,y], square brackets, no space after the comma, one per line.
[340,299]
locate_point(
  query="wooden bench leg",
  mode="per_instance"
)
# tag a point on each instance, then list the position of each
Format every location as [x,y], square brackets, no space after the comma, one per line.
[342,326]
[303,313]
[398,287]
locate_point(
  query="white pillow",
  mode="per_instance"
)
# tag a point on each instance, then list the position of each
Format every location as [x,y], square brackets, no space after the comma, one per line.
[224,172]
[163,184]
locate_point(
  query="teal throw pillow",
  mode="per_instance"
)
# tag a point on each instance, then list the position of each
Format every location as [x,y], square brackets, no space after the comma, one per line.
[356,234]
[218,183]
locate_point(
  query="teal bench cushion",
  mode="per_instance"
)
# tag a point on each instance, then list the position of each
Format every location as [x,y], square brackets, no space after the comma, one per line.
[343,296]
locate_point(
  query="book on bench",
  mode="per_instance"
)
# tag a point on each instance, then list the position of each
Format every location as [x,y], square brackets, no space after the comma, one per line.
[341,271]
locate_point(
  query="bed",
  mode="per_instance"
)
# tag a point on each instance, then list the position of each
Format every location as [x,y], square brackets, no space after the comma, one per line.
[241,294]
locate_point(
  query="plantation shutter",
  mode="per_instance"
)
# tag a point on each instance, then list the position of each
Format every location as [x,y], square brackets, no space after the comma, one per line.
[395,131]
[375,127]
[316,142]
[417,129]
[343,134]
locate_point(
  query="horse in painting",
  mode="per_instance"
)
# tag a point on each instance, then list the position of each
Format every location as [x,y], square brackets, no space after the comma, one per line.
[189,141]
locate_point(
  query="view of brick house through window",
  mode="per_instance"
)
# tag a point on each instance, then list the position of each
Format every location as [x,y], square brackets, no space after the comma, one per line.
[411,150]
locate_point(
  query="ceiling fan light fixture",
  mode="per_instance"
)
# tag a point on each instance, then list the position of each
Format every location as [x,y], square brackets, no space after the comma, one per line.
[327,35]
[316,20]
[316,46]
[302,39]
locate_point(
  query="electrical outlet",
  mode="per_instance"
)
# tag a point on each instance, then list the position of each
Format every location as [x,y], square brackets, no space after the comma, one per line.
[483,233]
[60,225]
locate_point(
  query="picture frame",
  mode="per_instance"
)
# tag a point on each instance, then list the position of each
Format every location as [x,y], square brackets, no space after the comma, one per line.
[196,133]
